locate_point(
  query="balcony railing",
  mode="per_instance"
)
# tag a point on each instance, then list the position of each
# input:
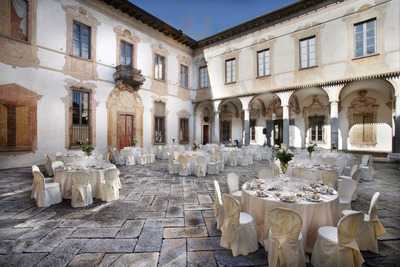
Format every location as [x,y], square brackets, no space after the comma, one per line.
[129,75]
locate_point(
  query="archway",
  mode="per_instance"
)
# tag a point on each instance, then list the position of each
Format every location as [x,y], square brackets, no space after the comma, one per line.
[365,116]
[125,118]
[310,118]
[231,121]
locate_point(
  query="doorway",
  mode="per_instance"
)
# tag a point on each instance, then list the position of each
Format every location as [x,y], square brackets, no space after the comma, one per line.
[126,130]
[206,134]
[278,132]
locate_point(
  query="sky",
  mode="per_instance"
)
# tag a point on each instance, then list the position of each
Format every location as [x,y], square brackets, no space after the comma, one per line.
[202,18]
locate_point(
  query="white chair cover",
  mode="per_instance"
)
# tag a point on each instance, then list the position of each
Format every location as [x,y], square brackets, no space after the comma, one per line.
[173,165]
[285,244]
[81,190]
[130,160]
[346,188]
[371,228]
[218,206]
[201,166]
[184,165]
[45,194]
[48,165]
[232,180]
[337,246]
[238,229]
[233,158]
[109,188]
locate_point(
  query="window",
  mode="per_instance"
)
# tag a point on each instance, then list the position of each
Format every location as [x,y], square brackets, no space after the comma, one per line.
[184,76]
[230,70]
[159,67]
[253,130]
[226,131]
[307,53]
[126,50]
[19,19]
[316,128]
[80,133]
[183,130]
[159,123]
[365,38]
[203,77]
[81,40]
[363,129]
[263,64]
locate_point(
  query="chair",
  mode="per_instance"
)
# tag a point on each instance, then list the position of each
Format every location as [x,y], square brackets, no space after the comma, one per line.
[201,166]
[184,165]
[337,246]
[233,158]
[285,242]
[109,188]
[173,165]
[116,157]
[213,166]
[45,194]
[130,160]
[81,190]
[371,227]
[238,229]
[366,168]
[218,205]
[47,165]
[232,180]
[346,188]
[220,161]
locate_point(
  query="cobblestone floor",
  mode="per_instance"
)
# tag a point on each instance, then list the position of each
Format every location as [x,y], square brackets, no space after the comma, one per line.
[160,219]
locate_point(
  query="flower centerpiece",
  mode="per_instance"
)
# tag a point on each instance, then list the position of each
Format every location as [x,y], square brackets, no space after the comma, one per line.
[284,156]
[87,148]
[195,146]
[311,148]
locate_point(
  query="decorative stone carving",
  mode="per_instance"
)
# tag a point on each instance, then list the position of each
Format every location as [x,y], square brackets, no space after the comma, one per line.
[183,113]
[124,100]
[316,108]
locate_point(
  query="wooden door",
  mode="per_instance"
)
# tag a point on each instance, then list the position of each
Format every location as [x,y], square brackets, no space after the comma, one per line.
[206,131]
[126,130]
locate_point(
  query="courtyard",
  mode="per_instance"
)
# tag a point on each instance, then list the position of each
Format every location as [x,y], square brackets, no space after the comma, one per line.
[159,220]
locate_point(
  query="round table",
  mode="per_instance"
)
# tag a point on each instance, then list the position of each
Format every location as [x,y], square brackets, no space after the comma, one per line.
[314,214]
[95,175]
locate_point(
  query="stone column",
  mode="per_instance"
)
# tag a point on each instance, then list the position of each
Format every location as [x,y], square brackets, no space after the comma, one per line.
[215,136]
[334,124]
[246,124]
[246,127]
[396,140]
[285,97]
[285,117]
[333,92]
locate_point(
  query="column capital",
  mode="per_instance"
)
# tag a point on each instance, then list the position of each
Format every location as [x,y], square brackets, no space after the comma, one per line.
[246,100]
[216,104]
[285,97]
[333,91]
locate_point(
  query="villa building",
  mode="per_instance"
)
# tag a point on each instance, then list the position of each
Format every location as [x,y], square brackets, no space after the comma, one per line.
[107,73]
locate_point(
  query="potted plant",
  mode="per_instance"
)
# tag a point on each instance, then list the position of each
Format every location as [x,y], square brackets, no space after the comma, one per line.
[311,148]
[284,156]
[134,142]
[87,148]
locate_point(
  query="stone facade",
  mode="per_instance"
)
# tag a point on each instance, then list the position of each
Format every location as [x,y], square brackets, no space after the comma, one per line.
[330,102]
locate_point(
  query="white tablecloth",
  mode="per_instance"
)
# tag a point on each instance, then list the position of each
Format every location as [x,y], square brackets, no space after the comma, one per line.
[314,214]
[95,176]
[192,157]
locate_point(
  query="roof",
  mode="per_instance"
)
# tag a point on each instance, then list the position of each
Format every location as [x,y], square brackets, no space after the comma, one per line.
[263,21]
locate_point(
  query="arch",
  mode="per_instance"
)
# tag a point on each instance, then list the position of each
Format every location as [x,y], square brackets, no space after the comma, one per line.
[365,116]
[123,105]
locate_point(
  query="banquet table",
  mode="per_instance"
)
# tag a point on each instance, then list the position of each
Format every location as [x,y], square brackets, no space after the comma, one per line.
[136,152]
[328,174]
[314,214]
[95,176]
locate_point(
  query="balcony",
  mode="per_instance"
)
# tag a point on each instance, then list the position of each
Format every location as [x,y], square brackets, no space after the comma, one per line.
[129,75]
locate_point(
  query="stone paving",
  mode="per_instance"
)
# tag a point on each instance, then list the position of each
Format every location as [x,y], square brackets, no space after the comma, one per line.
[160,220]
